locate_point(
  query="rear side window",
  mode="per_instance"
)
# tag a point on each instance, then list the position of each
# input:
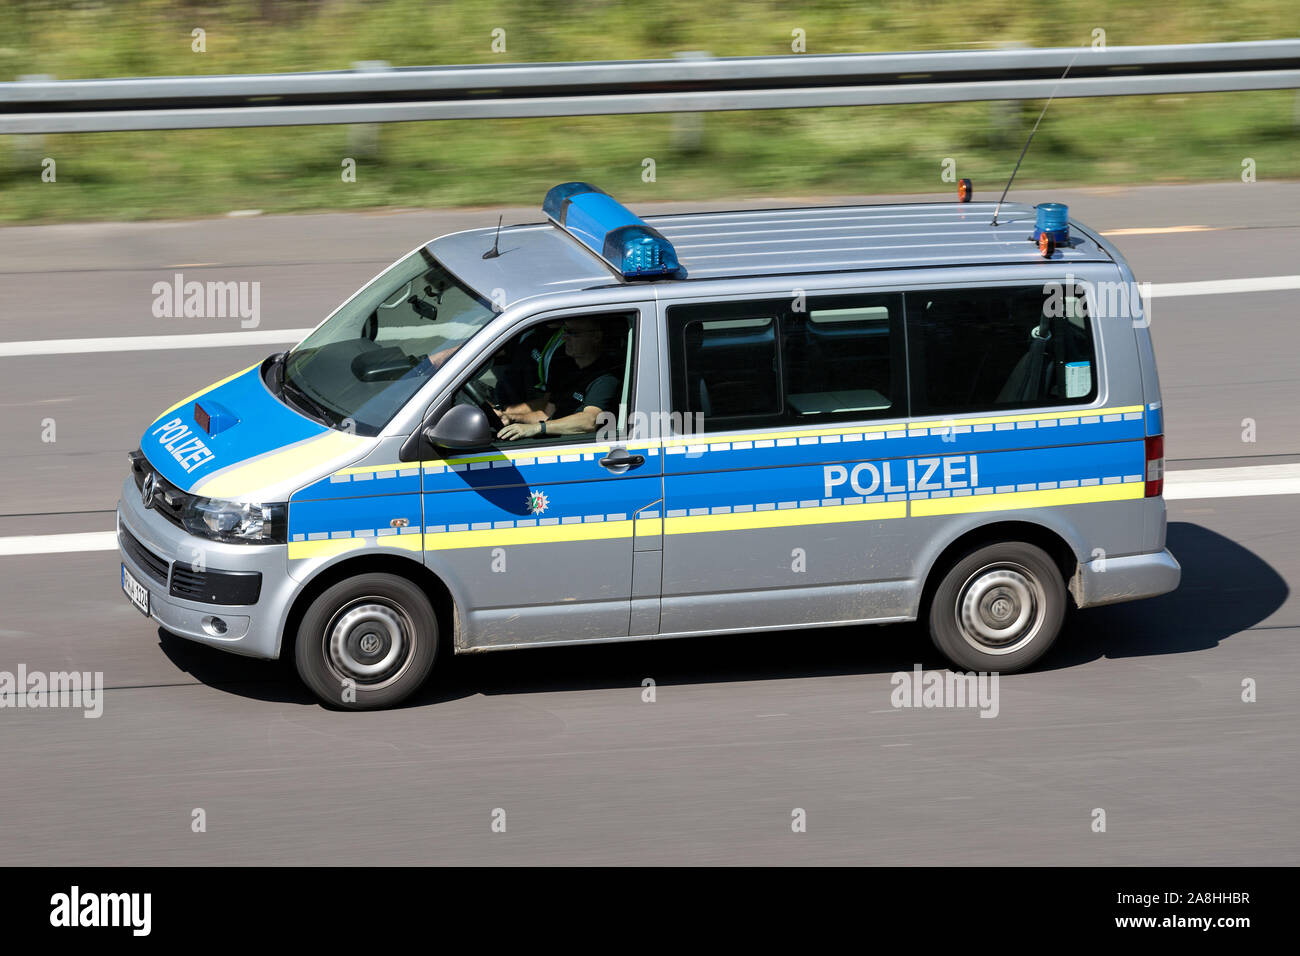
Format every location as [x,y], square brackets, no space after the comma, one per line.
[799,361]
[973,350]
[726,358]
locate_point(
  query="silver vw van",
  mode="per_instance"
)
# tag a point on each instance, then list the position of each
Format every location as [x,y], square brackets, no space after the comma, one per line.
[600,427]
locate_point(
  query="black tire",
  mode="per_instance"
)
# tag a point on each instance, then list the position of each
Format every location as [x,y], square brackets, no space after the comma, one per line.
[376,631]
[998,608]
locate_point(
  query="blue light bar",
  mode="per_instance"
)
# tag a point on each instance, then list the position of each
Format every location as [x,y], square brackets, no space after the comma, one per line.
[612,231]
[557,198]
[1053,218]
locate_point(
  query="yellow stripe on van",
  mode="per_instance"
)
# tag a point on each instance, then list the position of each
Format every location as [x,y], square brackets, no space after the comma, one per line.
[327,548]
[649,526]
[728,437]
[300,459]
[549,451]
[859,428]
[203,391]
[785,518]
[438,464]
[968,504]
[733,521]
[1037,417]
[543,534]
[367,469]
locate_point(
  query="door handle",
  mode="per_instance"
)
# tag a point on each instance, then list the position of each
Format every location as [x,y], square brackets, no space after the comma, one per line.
[618,459]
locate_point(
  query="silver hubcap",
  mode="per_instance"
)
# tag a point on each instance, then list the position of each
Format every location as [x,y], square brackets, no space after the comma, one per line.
[1000,608]
[369,641]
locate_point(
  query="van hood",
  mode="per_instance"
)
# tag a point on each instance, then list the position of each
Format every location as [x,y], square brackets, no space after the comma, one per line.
[234,440]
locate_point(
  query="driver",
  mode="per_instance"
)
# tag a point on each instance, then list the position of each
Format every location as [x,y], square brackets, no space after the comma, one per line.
[538,358]
[576,394]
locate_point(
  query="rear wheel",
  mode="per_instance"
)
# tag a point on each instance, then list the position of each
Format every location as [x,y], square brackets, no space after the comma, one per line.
[999,608]
[367,642]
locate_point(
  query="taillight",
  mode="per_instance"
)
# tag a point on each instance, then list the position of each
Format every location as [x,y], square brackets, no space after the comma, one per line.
[1155,466]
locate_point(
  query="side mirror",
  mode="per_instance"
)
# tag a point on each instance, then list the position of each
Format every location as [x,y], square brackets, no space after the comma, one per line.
[462,426]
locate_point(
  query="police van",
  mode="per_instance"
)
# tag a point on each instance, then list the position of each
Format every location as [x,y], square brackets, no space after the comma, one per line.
[600,427]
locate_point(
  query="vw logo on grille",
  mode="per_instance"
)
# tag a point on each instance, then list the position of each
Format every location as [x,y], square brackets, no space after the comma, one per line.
[149,489]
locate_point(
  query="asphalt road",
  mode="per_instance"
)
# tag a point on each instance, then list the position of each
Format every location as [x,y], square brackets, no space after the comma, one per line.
[1137,710]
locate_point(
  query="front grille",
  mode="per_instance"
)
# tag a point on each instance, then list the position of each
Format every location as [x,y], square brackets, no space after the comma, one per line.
[169,501]
[153,565]
[215,587]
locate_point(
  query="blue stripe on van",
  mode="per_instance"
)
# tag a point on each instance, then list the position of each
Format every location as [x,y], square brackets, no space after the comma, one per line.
[887,479]
[353,517]
[922,438]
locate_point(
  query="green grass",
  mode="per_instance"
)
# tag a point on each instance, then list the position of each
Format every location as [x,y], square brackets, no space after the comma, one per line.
[753,154]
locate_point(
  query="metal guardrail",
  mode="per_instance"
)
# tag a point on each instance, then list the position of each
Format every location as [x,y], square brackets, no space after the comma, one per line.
[643,86]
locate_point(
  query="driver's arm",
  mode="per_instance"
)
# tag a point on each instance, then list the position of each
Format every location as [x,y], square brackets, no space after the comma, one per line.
[582,422]
[603,392]
[575,424]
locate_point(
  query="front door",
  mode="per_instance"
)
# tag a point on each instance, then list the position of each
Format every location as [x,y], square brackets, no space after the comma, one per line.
[535,534]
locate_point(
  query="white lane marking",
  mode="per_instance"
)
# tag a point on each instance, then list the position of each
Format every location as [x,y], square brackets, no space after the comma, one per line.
[59,543]
[141,343]
[1225,286]
[1182,485]
[1232,482]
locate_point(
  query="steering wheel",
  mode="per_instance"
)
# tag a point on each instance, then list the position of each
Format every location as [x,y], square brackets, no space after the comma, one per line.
[494,419]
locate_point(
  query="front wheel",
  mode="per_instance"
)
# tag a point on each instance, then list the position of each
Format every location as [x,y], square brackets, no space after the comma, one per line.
[999,608]
[367,642]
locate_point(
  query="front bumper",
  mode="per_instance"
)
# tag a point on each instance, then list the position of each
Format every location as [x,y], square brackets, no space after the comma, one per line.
[253,630]
[1129,578]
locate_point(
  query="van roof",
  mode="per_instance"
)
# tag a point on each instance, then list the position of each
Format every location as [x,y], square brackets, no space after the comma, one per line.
[542,258]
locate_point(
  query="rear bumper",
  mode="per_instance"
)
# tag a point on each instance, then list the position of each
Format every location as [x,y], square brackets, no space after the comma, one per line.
[250,629]
[1130,578]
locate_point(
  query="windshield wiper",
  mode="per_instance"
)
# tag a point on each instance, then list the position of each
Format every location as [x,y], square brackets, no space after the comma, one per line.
[307,404]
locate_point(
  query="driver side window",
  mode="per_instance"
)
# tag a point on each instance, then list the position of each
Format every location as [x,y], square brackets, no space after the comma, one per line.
[560,381]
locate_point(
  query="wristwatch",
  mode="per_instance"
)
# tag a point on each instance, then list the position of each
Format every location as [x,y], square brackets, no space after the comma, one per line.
[543,424]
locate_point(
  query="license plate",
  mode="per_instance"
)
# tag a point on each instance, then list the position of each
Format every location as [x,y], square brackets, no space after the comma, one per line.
[137,592]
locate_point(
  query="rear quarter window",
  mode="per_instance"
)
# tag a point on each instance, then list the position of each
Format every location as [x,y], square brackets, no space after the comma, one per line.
[990,349]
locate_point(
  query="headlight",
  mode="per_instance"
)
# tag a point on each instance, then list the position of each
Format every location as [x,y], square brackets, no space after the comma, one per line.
[236,522]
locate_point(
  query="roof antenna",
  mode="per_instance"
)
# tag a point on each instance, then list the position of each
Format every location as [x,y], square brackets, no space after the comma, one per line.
[1031,136]
[496,243]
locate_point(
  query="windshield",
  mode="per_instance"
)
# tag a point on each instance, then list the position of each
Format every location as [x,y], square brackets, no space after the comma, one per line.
[357,370]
